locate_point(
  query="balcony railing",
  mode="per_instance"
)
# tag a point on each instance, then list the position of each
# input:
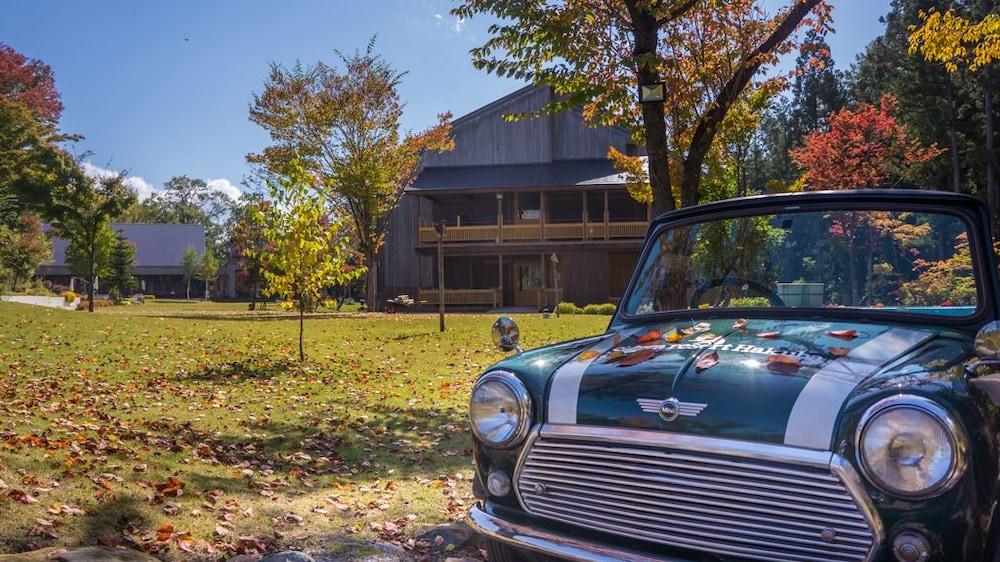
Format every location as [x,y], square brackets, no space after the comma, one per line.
[537,232]
[489,297]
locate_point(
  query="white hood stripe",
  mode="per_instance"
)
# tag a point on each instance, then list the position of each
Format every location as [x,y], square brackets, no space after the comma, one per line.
[565,389]
[815,411]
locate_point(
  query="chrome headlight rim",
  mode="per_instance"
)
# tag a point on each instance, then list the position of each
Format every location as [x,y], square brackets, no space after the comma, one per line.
[523,398]
[957,438]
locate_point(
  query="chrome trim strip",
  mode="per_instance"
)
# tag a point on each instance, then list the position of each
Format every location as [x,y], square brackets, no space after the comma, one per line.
[959,441]
[544,542]
[814,413]
[852,481]
[564,391]
[711,445]
[521,458]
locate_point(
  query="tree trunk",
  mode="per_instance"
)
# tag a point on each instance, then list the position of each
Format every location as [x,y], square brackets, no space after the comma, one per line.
[253,294]
[992,190]
[371,276]
[956,176]
[206,290]
[711,121]
[92,275]
[189,288]
[646,32]
[302,315]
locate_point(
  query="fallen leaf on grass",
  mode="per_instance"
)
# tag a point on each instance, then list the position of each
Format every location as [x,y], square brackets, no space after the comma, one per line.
[165,532]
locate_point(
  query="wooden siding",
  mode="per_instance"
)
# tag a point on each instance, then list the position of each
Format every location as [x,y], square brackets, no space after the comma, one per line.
[398,267]
[484,138]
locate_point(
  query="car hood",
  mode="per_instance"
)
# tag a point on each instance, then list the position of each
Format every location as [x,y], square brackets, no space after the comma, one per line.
[779,381]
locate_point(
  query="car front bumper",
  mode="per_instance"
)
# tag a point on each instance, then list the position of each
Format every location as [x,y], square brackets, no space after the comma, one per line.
[524,532]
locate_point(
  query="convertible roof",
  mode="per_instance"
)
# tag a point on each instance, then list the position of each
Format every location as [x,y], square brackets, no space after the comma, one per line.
[826,198]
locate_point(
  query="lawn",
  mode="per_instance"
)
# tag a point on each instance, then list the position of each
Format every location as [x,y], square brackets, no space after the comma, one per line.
[189,430]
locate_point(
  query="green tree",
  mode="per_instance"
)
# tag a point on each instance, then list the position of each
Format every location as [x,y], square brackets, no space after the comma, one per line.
[120,279]
[186,200]
[344,127]
[306,250]
[208,270]
[89,256]
[960,44]
[22,249]
[190,265]
[247,242]
[81,209]
[595,53]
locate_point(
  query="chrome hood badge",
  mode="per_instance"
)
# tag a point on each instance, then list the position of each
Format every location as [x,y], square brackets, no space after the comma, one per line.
[671,408]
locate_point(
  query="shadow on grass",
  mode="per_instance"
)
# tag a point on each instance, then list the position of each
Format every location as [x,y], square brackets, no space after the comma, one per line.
[244,370]
[113,517]
[415,441]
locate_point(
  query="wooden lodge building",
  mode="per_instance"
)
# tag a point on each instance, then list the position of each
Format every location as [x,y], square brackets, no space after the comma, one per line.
[535,213]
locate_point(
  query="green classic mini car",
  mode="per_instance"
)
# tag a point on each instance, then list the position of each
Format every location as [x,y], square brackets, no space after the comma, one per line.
[802,377]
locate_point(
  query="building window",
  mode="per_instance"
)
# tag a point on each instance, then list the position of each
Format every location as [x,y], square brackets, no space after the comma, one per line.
[529,277]
[529,206]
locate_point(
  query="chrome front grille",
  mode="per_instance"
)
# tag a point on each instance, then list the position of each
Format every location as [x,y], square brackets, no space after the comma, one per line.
[735,506]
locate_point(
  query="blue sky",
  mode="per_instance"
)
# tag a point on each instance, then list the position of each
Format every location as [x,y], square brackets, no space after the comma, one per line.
[163,88]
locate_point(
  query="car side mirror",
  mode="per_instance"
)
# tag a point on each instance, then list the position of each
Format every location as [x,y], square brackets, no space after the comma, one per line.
[506,334]
[987,347]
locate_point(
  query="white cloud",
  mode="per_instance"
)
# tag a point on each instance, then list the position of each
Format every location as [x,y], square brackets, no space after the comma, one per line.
[142,187]
[459,24]
[145,190]
[226,187]
[438,18]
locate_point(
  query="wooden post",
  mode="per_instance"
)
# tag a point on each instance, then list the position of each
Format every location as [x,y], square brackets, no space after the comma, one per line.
[440,247]
[541,292]
[606,215]
[542,210]
[499,218]
[500,279]
[585,217]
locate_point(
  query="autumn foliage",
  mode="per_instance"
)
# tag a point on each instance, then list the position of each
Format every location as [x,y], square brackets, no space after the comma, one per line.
[30,82]
[863,148]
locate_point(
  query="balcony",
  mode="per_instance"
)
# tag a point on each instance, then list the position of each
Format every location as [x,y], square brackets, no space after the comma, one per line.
[537,232]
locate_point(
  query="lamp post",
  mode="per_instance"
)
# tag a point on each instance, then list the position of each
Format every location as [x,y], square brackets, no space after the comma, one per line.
[555,279]
[440,228]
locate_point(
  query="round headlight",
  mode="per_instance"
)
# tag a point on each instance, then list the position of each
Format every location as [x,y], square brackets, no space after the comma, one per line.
[500,409]
[910,446]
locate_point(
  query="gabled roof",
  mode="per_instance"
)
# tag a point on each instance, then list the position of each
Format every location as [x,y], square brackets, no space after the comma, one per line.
[156,245]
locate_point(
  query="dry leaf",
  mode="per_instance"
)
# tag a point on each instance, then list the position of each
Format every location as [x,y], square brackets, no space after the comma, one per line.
[706,361]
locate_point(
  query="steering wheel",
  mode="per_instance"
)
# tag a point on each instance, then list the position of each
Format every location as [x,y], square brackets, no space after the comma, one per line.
[741,284]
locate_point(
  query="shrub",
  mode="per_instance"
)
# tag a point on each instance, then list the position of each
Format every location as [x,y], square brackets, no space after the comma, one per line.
[103,303]
[606,309]
[149,297]
[750,302]
[568,308]
[69,296]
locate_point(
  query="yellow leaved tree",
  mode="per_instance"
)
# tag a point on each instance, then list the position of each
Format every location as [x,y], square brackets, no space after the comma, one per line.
[306,249]
[964,45]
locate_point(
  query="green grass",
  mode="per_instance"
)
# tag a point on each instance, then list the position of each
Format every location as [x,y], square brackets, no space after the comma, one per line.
[367,439]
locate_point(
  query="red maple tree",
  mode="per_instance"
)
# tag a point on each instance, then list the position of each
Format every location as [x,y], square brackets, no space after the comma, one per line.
[862,148]
[29,81]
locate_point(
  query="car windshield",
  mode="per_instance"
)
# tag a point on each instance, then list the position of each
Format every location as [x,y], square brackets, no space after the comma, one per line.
[903,261]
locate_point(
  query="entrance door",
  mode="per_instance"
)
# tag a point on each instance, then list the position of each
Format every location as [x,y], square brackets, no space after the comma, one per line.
[527,281]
